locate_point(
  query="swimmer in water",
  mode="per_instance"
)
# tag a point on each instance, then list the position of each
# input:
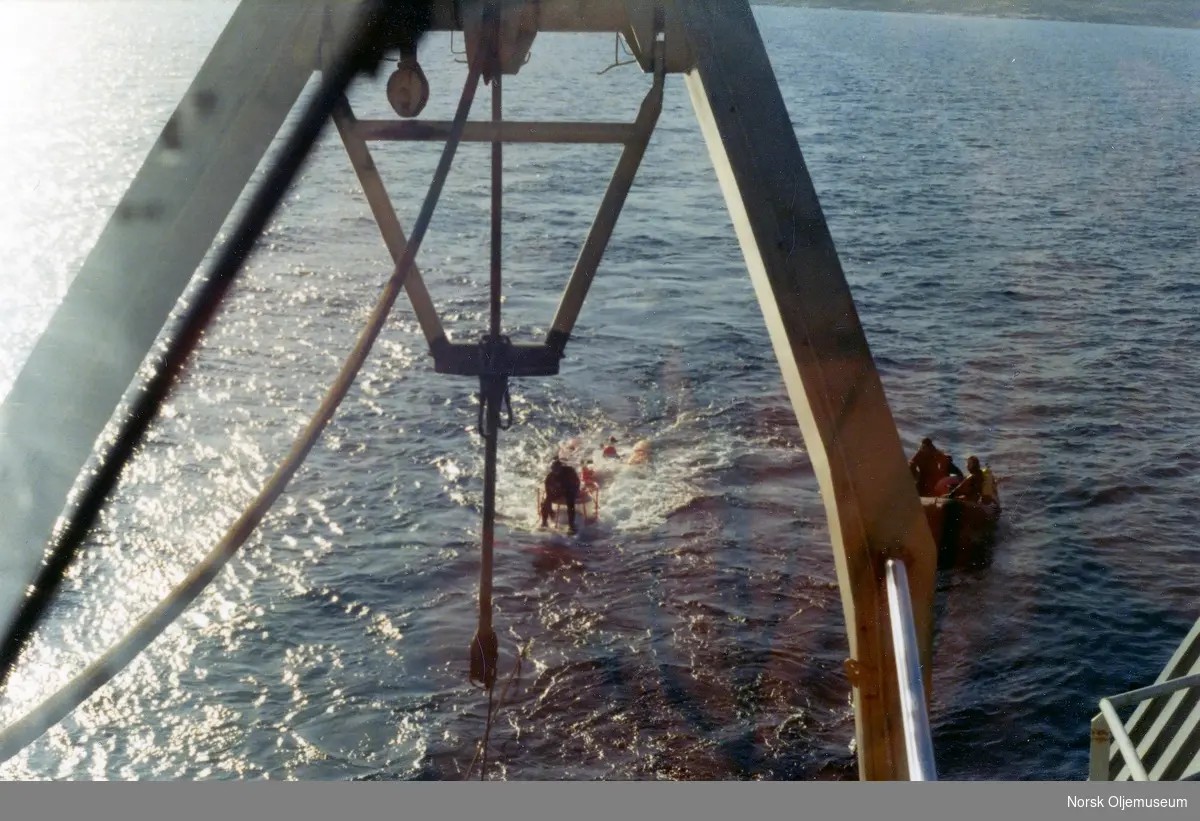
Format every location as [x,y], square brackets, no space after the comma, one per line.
[587,474]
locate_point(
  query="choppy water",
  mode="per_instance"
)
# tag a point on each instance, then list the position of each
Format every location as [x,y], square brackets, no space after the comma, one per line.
[1014,203]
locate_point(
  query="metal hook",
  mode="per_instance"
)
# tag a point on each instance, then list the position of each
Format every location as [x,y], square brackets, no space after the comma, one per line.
[508,409]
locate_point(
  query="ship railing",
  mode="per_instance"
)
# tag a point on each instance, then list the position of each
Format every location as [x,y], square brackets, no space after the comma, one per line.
[918,741]
[1108,727]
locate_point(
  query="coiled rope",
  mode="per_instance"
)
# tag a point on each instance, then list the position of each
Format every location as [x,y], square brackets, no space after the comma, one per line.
[361,54]
[29,728]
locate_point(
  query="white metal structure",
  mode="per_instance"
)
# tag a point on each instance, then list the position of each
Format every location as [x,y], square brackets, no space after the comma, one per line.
[1161,739]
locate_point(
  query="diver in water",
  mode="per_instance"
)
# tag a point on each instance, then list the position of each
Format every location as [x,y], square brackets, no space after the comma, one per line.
[587,474]
[562,487]
[610,447]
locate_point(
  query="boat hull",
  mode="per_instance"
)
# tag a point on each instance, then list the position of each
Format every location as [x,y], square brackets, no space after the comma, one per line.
[963,531]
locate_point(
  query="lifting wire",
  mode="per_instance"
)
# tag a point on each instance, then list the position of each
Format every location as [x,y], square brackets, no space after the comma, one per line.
[493,389]
[29,728]
[617,62]
[481,749]
[493,392]
[456,54]
[360,55]
[453,52]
